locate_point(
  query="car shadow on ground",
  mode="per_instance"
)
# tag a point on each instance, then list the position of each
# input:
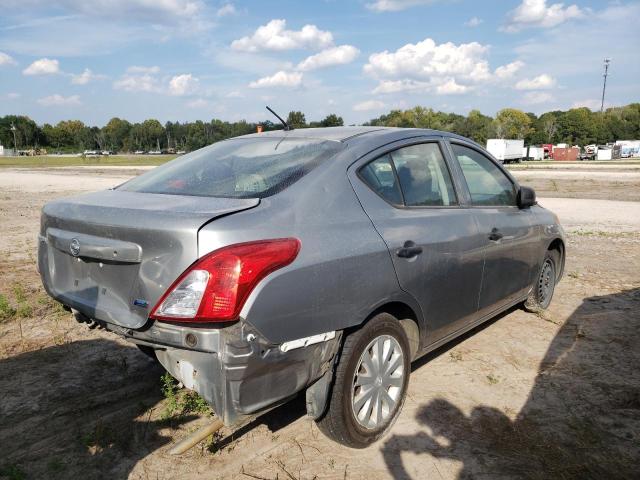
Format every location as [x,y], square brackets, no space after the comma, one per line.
[79,410]
[85,409]
[581,419]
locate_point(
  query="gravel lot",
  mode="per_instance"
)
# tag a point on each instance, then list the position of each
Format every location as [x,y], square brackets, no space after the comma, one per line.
[549,396]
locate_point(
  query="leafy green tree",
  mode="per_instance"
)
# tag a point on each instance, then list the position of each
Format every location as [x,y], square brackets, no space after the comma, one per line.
[115,133]
[512,123]
[332,120]
[577,126]
[296,120]
[27,132]
[475,126]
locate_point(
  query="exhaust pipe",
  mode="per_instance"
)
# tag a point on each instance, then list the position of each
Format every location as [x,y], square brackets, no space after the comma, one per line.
[82,318]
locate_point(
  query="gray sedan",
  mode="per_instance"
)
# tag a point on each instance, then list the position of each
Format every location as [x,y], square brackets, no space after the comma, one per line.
[317,260]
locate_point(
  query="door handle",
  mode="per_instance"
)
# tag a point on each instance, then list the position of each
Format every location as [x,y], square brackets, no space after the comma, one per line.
[495,235]
[409,250]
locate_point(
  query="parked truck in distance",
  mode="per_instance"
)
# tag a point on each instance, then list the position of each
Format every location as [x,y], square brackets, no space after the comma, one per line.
[506,150]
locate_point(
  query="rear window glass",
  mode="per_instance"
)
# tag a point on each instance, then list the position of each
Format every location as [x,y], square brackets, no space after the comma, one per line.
[240,168]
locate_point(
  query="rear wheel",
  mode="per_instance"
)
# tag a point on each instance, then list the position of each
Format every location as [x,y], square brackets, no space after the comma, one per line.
[370,383]
[542,292]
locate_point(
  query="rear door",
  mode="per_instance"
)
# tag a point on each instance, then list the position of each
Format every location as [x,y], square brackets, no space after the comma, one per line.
[507,232]
[407,190]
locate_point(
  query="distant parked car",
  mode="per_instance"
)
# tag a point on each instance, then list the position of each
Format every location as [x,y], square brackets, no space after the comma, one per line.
[105,152]
[180,152]
[319,260]
[155,152]
[139,152]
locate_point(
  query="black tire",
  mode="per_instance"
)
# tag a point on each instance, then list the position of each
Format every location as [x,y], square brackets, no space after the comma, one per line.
[544,286]
[339,422]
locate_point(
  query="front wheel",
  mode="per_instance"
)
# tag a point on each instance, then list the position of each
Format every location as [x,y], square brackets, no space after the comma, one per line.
[371,379]
[544,286]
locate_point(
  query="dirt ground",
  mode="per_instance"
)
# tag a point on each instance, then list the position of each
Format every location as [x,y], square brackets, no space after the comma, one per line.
[555,395]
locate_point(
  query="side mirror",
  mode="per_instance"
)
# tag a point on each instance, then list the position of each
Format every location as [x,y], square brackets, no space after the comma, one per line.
[526,197]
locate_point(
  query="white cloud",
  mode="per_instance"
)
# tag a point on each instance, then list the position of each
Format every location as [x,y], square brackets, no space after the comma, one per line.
[183,84]
[137,83]
[450,87]
[13,95]
[85,77]
[279,79]
[441,86]
[535,98]
[369,105]
[443,69]
[274,36]
[146,79]
[44,66]
[395,5]
[139,69]
[395,86]
[234,94]
[426,59]
[507,71]
[541,82]
[6,59]
[58,100]
[332,56]
[226,9]
[473,22]
[160,11]
[536,13]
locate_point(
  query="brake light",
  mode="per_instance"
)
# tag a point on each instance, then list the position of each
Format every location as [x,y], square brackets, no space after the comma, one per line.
[216,286]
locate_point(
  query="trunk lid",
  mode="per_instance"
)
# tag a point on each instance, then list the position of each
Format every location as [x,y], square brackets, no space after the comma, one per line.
[112,254]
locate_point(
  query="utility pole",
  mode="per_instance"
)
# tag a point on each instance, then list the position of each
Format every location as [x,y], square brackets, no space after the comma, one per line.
[604,87]
[15,144]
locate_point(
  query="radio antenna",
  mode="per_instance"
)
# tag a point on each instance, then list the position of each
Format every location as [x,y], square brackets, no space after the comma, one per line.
[285,124]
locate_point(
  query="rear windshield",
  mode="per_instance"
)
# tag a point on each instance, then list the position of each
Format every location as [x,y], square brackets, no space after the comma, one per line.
[239,168]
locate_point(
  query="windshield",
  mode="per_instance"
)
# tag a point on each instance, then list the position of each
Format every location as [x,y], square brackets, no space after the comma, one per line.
[239,168]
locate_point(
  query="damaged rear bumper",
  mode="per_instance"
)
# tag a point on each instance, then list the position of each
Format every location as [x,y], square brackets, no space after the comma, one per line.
[236,370]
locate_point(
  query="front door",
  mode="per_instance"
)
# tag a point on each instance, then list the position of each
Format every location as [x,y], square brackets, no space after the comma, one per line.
[407,191]
[507,232]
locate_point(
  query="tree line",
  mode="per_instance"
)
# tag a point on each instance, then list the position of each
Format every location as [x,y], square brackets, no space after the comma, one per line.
[577,126]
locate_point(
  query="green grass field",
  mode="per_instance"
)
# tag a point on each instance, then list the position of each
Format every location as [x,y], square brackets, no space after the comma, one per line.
[542,163]
[142,160]
[116,160]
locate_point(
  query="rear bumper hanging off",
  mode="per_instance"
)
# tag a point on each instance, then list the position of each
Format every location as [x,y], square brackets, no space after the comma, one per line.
[235,369]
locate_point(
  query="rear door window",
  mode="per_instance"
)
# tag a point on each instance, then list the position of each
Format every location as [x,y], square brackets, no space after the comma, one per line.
[424,177]
[238,168]
[380,177]
[413,176]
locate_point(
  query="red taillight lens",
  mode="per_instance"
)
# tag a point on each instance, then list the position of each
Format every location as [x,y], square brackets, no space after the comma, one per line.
[215,287]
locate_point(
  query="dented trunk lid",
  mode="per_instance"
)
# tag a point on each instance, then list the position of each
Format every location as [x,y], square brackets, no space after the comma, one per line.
[112,254]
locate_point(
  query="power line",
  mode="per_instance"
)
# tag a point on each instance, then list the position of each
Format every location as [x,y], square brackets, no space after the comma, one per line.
[604,86]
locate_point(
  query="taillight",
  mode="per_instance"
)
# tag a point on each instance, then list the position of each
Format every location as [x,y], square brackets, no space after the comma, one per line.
[216,286]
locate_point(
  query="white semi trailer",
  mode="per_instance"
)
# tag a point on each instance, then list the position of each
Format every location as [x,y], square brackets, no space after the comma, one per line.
[505,150]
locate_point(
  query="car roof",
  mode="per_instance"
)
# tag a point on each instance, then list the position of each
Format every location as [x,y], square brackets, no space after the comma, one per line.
[341,134]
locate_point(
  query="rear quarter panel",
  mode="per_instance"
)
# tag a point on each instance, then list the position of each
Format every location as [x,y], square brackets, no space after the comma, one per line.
[342,273]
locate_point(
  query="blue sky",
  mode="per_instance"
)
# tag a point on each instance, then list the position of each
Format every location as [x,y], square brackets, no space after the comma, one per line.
[193,59]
